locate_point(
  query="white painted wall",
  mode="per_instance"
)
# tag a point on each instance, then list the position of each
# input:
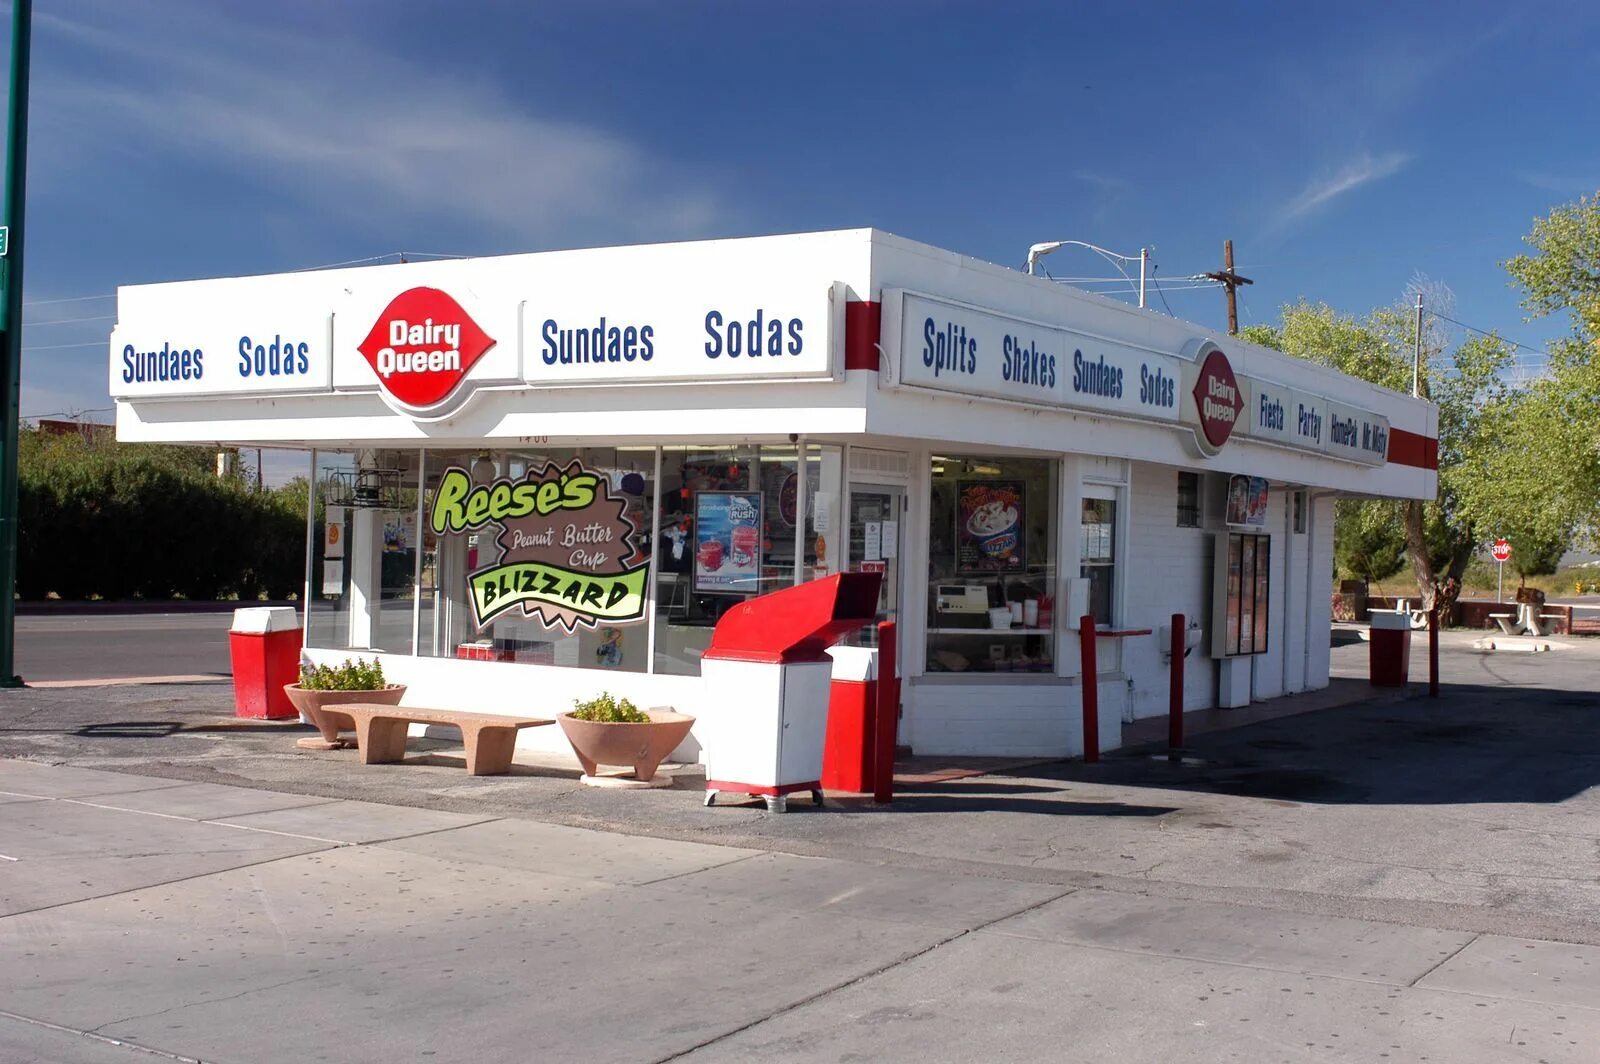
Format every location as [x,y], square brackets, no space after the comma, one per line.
[1008,719]
[1168,570]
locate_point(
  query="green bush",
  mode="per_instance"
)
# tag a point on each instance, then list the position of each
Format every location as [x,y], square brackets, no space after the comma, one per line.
[609,710]
[357,675]
[98,518]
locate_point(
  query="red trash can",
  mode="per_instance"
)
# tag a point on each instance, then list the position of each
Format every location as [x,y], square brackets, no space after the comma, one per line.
[1389,664]
[264,644]
[847,763]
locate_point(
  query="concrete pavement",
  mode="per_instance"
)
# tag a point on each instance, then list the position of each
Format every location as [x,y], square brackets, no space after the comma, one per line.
[250,929]
[1402,880]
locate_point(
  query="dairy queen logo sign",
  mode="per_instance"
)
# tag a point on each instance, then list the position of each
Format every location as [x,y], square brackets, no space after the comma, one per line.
[422,347]
[1218,400]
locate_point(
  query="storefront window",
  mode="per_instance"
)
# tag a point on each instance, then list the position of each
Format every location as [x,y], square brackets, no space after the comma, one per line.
[549,564]
[364,553]
[553,556]
[1097,547]
[728,532]
[992,565]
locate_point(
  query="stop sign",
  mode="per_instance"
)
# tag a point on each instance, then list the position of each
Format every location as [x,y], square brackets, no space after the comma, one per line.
[1502,550]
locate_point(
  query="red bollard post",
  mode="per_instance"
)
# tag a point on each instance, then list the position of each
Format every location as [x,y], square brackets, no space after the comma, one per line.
[1091,689]
[887,716]
[1175,684]
[1433,652]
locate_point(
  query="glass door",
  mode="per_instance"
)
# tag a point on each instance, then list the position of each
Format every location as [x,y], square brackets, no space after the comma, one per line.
[875,529]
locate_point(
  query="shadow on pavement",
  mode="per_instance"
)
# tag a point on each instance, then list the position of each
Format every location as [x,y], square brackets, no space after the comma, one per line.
[1472,745]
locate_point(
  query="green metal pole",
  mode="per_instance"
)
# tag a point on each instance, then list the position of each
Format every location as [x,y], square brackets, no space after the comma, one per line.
[11,330]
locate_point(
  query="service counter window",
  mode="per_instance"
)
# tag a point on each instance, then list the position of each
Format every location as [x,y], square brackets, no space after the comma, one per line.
[992,565]
[1097,551]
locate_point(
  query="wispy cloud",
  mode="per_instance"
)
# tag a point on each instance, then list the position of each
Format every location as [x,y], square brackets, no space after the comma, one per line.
[347,128]
[1362,170]
[1561,184]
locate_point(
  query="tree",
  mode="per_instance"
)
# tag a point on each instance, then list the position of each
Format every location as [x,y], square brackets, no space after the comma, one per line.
[1439,535]
[1554,466]
[1369,540]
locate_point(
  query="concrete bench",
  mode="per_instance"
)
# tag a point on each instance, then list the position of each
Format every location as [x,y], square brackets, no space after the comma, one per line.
[1506,621]
[489,739]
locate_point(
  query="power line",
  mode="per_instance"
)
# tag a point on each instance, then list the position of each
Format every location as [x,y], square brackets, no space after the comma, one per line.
[67,347]
[1542,352]
[70,321]
[1153,268]
[69,299]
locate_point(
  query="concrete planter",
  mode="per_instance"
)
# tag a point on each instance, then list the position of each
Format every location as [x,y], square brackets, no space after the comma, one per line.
[643,746]
[315,706]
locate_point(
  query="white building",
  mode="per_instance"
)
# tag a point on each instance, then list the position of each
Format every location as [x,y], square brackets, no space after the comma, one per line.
[733,416]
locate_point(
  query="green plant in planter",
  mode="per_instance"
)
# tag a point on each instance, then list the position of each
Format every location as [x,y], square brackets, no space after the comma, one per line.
[357,675]
[607,709]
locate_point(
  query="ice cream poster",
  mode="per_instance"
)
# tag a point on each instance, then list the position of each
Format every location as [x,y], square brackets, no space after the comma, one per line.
[1247,501]
[989,526]
[727,537]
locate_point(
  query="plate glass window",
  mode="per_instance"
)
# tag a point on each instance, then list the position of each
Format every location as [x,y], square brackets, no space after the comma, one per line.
[991,565]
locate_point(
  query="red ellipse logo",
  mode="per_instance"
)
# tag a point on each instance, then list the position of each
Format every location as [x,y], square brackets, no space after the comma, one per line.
[422,347]
[1217,398]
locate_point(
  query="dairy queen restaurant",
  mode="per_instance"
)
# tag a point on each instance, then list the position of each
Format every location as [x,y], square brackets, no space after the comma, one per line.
[548,475]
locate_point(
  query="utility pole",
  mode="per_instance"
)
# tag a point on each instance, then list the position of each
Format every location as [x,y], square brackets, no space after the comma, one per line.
[11,331]
[1416,355]
[1230,281]
[1144,261]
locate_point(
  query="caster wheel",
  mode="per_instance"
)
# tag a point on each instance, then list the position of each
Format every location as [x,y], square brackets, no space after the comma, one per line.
[777,803]
[711,798]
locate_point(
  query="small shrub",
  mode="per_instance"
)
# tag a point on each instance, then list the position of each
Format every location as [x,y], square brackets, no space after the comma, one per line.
[609,710]
[357,675]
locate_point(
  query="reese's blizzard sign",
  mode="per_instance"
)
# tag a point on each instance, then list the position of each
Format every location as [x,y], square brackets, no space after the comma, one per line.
[422,346]
[566,546]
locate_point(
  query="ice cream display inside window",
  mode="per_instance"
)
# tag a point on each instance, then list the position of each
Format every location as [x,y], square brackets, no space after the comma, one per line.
[991,565]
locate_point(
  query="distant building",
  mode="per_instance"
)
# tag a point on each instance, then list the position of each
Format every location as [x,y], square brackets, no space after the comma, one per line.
[89,430]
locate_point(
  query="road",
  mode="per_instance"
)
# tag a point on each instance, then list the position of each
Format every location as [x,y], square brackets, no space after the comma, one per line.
[97,646]
[1400,880]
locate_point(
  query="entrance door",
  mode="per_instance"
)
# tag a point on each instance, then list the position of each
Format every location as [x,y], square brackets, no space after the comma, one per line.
[875,530]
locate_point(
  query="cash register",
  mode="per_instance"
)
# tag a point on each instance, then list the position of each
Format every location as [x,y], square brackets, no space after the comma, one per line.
[962,605]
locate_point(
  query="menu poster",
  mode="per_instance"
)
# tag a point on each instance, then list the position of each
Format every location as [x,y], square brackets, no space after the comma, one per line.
[1247,594]
[1231,626]
[989,526]
[1247,501]
[1262,590]
[727,536]
[1243,586]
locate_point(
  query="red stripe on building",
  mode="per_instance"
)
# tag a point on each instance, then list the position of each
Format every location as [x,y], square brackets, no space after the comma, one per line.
[1413,449]
[863,319]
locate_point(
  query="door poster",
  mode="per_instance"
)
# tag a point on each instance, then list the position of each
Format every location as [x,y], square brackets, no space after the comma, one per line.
[727,537]
[989,526]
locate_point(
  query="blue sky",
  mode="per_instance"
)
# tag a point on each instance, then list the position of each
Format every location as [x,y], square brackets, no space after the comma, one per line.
[1343,149]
